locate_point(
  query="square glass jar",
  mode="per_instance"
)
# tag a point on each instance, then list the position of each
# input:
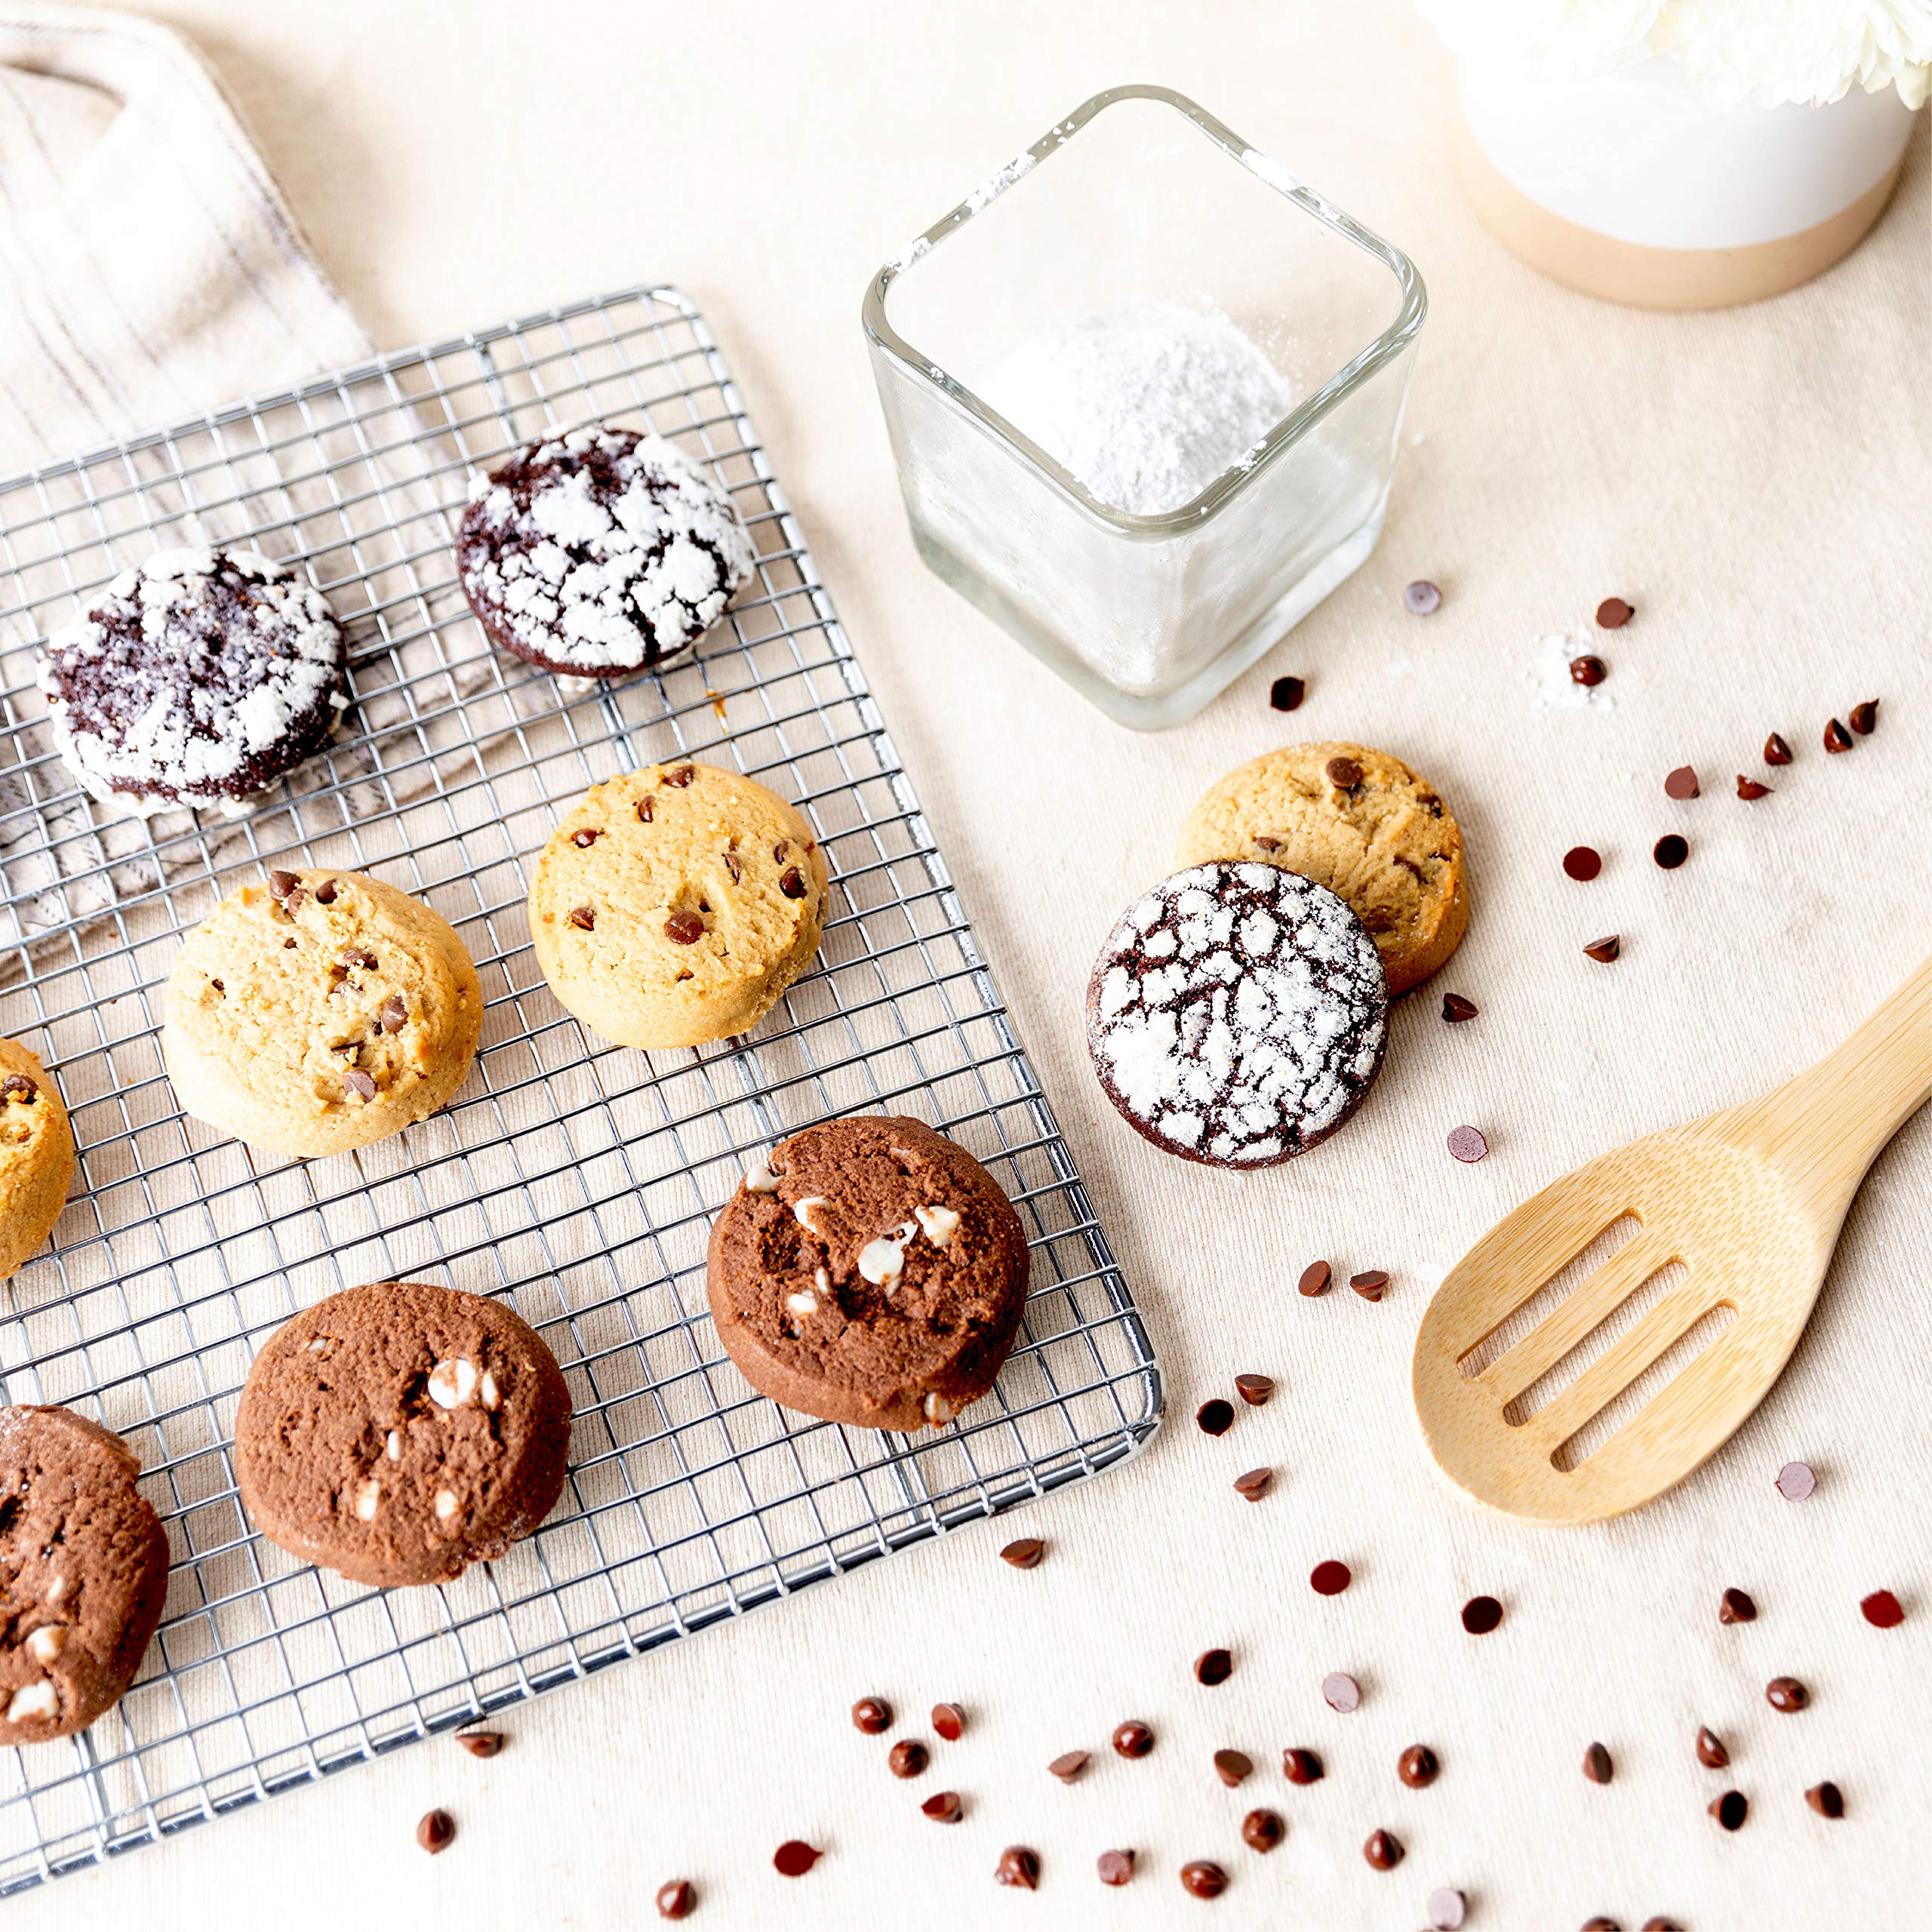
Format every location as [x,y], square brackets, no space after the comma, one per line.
[1141,193]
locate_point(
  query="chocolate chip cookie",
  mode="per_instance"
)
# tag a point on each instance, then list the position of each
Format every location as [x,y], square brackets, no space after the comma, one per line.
[397,1433]
[36,1155]
[600,553]
[200,678]
[83,1572]
[318,1010]
[1358,822]
[1237,1015]
[675,905]
[870,1272]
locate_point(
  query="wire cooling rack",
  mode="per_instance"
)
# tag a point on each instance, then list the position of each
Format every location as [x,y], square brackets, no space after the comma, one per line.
[576,1180]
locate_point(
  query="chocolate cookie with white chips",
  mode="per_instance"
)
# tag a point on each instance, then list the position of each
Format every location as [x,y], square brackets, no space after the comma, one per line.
[600,553]
[1237,1015]
[200,678]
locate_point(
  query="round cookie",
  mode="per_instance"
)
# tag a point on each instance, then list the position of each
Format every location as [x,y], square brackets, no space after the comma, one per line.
[1237,1015]
[397,1433]
[1358,822]
[319,1011]
[84,1559]
[36,1155]
[869,1271]
[675,905]
[599,553]
[200,678]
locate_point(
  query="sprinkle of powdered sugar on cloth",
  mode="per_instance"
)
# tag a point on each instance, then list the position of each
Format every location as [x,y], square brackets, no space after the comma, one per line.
[1549,674]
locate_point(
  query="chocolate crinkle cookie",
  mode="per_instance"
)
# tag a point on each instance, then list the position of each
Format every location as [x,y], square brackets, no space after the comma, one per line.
[1237,1015]
[199,678]
[600,553]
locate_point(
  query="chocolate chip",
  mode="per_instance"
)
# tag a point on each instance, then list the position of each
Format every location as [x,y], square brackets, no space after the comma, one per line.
[584,918]
[1254,1484]
[1068,1765]
[1340,1692]
[732,866]
[643,811]
[1369,1284]
[357,956]
[1837,738]
[1286,694]
[1865,717]
[586,835]
[794,1858]
[1422,597]
[1588,671]
[1750,788]
[435,1831]
[1681,783]
[1480,1615]
[950,1720]
[1582,864]
[1302,1766]
[1024,1554]
[1263,843]
[1597,1767]
[1330,1578]
[1736,1607]
[281,883]
[1466,1143]
[1215,1416]
[1660,1925]
[1671,851]
[1455,1007]
[1786,1693]
[357,1082]
[1316,1277]
[779,851]
[683,928]
[1263,1830]
[480,1743]
[1604,949]
[1729,1810]
[1342,773]
[1711,1753]
[1115,1868]
[1213,1667]
[872,1715]
[676,1899]
[907,1758]
[1446,1908]
[1383,1850]
[1600,1923]
[1134,1739]
[1826,1799]
[1882,1611]
[1204,1878]
[945,1806]
[1777,751]
[325,892]
[1232,1767]
[1613,613]
[679,775]
[393,1016]
[18,1086]
[1020,1866]
[1254,1390]
[1418,1767]
[1795,1481]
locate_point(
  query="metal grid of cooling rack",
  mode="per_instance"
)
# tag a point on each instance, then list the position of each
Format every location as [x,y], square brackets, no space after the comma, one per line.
[574,1179]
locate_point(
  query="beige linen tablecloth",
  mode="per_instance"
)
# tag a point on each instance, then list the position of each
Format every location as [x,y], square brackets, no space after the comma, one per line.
[1754,483]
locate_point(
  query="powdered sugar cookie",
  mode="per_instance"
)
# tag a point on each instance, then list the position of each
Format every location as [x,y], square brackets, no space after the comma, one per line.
[600,553]
[1237,1015]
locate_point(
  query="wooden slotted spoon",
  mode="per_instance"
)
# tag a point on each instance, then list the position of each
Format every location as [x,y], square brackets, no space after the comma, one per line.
[1750,1201]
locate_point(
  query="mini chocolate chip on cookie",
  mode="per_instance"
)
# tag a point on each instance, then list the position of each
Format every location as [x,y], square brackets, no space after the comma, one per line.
[1237,1015]
[398,1432]
[36,1155]
[599,553]
[202,675]
[868,1271]
[85,1560]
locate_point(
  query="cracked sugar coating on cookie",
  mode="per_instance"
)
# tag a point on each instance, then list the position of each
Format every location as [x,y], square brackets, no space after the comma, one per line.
[1237,1014]
[600,553]
[202,675]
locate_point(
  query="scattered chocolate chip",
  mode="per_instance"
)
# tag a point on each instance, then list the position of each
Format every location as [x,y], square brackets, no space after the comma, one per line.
[281,883]
[1837,738]
[1786,1693]
[1383,1850]
[944,1807]
[950,1720]
[435,1831]
[1344,773]
[794,1858]
[1826,1799]
[1263,843]
[584,918]
[1750,788]
[1254,1484]
[676,1899]
[1882,1611]
[1613,613]
[1316,1277]
[480,1743]
[1286,694]
[1134,1739]
[1213,1667]
[1215,1416]
[1729,1810]
[325,892]
[359,1083]
[1661,1925]
[792,883]
[1302,1766]
[1711,1753]
[1422,597]
[732,866]
[1263,1830]
[1796,1481]
[1467,1144]
[1115,1868]
[1681,783]
[1597,1767]
[1671,851]
[1588,671]
[872,1715]
[1446,1908]
[394,1016]
[1604,949]
[1865,717]
[1024,1554]
[643,811]
[1455,1007]
[1254,1390]
[1369,1283]
[216,984]
[1340,1692]
[682,928]
[1020,1866]
[1068,1765]
[1736,1607]
[1582,864]
[1777,751]
[1600,1923]
[586,835]
[679,775]
[1204,1878]
[1232,1767]
[779,851]
[1329,1578]
[1418,1767]
[1480,1615]
[907,1758]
